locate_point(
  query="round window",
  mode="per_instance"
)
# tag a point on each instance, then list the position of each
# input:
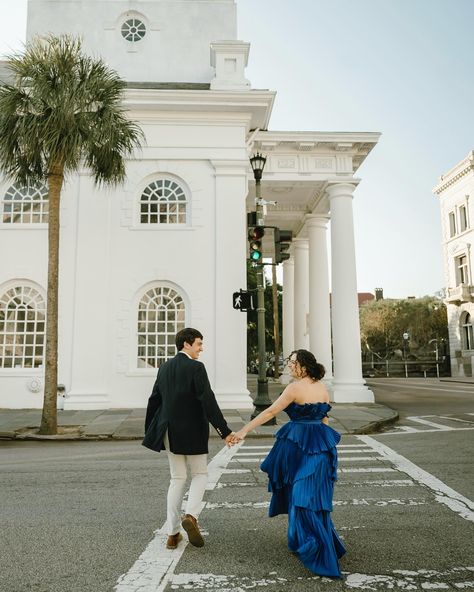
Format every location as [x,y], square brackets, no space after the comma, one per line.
[133,30]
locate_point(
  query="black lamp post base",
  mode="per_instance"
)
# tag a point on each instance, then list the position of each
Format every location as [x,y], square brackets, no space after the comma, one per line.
[262,401]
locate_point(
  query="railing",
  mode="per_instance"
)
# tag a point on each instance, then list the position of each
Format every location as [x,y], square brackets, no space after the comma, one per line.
[461,293]
[406,368]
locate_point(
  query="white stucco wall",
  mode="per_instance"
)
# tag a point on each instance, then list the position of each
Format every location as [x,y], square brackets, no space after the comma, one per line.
[175,47]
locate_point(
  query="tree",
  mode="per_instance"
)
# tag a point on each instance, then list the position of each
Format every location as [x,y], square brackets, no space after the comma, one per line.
[252,338]
[62,111]
[383,323]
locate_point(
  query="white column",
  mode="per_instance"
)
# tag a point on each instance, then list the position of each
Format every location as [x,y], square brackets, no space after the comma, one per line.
[288,307]
[319,309]
[301,301]
[348,384]
[230,370]
[288,313]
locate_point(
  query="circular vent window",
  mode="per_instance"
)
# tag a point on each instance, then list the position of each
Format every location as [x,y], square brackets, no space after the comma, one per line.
[133,30]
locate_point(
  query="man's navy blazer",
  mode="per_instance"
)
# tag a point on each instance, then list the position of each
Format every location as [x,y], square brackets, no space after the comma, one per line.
[183,403]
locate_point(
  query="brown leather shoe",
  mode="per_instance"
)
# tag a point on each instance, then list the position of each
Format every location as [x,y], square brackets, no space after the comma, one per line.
[190,525]
[173,540]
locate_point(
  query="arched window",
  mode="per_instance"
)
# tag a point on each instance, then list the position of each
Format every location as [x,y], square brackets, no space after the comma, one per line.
[163,202]
[161,314]
[22,328]
[25,205]
[467,330]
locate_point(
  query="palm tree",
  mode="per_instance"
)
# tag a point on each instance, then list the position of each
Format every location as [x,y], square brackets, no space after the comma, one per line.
[62,111]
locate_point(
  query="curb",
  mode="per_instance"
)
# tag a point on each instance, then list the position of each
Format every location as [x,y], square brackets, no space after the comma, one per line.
[370,428]
[375,426]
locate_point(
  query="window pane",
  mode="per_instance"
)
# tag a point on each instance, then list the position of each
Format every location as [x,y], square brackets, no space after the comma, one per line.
[22,333]
[162,304]
[25,205]
[165,195]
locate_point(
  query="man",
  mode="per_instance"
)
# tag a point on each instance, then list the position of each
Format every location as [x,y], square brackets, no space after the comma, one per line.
[177,420]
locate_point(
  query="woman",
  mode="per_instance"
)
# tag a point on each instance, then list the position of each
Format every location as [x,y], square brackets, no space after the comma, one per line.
[302,466]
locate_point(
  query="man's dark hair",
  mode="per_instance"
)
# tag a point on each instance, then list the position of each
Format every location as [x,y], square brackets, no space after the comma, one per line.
[187,335]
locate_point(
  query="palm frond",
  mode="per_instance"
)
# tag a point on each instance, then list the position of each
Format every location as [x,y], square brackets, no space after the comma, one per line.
[63,108]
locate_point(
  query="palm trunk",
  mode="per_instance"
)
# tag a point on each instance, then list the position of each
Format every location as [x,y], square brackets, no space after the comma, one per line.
[49,419]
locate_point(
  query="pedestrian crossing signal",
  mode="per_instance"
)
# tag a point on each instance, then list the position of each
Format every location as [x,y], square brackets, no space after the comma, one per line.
[255,236]
[242,300]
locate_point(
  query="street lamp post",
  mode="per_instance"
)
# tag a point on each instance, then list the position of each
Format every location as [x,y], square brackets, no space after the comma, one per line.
[436,351]
[262,400]
[406,337]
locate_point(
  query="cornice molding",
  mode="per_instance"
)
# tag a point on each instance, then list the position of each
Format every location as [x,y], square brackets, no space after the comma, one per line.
[257,102]
[459,171]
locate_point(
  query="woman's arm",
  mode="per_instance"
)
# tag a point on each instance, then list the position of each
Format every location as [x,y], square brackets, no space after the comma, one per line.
[281,403]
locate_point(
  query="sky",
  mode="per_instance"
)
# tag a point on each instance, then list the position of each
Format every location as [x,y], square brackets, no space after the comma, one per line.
[399,67]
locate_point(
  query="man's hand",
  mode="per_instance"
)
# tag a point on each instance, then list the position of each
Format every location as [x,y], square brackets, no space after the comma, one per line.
[239,436]
[229,440]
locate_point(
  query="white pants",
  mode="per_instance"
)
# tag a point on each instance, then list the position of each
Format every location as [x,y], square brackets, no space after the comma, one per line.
[178,471]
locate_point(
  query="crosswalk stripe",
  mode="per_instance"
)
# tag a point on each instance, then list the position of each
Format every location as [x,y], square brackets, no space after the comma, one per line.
[443,494]
[432,424]
[359,458]
[368,470]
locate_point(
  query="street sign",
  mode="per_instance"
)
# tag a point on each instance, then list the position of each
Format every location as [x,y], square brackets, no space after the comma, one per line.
[242,301]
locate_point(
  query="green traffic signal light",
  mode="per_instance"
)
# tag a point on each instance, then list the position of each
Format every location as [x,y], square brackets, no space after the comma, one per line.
[255,239]
[255,254]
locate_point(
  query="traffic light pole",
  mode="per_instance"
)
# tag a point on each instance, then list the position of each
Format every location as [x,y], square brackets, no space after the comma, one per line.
[262,400]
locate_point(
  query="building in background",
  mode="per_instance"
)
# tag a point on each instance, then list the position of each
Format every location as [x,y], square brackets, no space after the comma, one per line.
[456,194]
[168,248]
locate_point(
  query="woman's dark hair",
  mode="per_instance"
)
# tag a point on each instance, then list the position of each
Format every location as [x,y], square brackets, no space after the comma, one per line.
[308,362]
[187,335]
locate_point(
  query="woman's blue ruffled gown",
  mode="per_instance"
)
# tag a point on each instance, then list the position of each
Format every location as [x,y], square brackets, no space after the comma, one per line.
[302,469]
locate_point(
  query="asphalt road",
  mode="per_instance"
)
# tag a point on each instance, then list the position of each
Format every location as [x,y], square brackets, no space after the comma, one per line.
[87,516]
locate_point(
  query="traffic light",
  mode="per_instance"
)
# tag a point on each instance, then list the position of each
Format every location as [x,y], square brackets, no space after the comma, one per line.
[283,239]
[255,242]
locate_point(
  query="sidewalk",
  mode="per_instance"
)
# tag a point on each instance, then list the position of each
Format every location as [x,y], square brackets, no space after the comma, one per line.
[127,424]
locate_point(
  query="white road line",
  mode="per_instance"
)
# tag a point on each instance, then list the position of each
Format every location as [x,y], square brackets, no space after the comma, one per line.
[455,419]
[431,424]
[235,505]
[443,494]
[245,453]
[368,470]
[339,446]
[235,471]
[397,579]
[152,571]
[381,503]
[379,483]
[359,458]
[247,460]
[235,484]
[427,388]
[407,429]
[427,431]
[352,502]
[354,451]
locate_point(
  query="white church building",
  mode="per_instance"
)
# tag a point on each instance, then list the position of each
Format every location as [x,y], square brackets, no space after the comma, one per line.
[455,190]
[169,247]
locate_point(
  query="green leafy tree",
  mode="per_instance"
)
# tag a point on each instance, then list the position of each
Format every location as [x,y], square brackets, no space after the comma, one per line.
[384,322]
[252,337]
[62,111]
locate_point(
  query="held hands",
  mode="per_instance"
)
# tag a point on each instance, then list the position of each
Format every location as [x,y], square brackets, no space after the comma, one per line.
[235,438]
